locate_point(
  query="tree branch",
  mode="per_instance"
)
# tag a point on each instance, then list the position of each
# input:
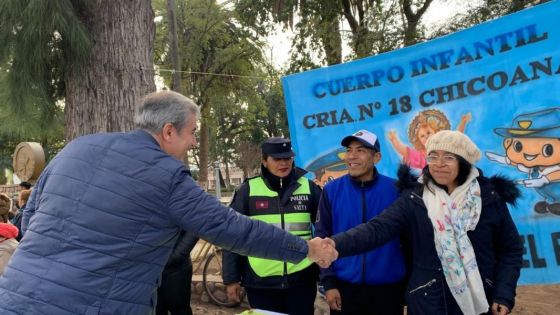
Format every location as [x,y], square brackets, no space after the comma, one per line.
[354,25]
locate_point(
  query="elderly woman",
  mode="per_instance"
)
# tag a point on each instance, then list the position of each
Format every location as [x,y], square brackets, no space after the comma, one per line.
[466,251]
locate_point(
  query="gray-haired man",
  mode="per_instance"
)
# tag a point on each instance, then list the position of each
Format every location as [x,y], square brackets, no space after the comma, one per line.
[107,210]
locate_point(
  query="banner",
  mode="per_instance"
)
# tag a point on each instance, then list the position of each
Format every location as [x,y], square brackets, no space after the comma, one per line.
[498,82]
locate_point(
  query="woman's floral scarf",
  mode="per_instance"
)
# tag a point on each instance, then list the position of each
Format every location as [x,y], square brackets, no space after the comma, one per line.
[452,217]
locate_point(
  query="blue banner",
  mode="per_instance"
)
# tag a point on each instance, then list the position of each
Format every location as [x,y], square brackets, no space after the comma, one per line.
[498,82]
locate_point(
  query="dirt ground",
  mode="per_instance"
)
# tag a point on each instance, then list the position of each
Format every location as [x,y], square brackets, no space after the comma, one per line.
[531,300]
[537,300]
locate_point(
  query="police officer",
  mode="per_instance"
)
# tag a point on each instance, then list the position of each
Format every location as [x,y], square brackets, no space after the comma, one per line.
[281,196]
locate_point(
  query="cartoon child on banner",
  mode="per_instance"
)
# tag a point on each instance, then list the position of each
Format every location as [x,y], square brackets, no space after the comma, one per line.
[532,144]
[425,124]
[328,166]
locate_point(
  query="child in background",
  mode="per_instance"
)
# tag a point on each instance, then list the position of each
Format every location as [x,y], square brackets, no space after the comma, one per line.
[22,201]
[8,232]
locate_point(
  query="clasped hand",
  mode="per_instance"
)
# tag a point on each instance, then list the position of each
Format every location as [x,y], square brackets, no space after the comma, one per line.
[322,251]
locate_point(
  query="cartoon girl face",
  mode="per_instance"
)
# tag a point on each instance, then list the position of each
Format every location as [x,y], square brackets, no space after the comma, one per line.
[424,132]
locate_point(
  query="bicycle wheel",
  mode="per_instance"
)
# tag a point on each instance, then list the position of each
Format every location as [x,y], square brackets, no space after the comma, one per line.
[213,282]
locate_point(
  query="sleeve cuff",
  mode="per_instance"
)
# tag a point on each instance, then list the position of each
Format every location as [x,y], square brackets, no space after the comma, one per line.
[505,302]
[296,249]
[230,282]
[329,283]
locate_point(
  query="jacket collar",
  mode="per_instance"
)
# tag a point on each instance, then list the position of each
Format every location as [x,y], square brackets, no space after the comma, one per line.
[273,181]
[492,189]
[144,135]
[148,137]
[367,183]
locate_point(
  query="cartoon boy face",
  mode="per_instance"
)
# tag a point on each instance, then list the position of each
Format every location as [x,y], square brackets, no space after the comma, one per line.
[533,152]
[329,175]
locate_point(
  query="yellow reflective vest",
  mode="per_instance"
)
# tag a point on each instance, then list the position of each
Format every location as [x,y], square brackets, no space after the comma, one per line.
[295,217]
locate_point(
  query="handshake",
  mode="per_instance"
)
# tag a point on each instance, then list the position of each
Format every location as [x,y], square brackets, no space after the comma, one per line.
[322,251]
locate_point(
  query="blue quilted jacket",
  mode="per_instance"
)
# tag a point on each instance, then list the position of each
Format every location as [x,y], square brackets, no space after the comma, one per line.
[102,221]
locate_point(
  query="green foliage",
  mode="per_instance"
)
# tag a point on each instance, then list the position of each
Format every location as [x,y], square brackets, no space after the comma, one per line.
[225,73]
[316,28]
[274,119]
[7,147]
[247,116]
[376,26]
[486,11]
[8,142]
[262,15]
[28,124]
[218,55]
[379,29]
[14,130]
[42,42]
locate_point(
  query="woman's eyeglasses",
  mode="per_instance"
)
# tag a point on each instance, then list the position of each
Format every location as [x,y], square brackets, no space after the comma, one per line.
[445,159]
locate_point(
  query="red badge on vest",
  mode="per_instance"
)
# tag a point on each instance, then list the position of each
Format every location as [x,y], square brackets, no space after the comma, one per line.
[261,204]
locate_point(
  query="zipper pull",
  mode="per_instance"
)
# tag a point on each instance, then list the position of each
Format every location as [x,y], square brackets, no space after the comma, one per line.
[280,182]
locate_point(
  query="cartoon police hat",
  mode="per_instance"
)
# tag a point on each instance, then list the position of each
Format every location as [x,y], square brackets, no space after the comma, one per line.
[332,161]
[541,124]
[279,148]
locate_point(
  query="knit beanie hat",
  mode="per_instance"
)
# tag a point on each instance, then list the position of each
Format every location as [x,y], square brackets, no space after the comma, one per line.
[8,230]
[455,142]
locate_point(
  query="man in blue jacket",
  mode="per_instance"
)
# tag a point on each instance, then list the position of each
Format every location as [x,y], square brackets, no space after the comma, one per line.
[92,247]
[370,283]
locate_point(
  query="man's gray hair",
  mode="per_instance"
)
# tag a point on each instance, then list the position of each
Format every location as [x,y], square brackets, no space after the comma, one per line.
[163,107]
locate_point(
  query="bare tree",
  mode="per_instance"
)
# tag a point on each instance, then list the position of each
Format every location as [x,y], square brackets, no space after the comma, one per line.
[249,158]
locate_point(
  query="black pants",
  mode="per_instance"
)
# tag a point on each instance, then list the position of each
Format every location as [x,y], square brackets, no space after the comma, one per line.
[293,301]
[174,294]
[358,299]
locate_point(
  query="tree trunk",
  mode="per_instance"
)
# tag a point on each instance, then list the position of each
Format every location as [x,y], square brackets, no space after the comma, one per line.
[411,33]
[228,178]
[175,54]
[203,148]
[119,72]
[332,43]
[360,43]
[412,20]
[3,178]
[517,5]
[329,33]
[174,46]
